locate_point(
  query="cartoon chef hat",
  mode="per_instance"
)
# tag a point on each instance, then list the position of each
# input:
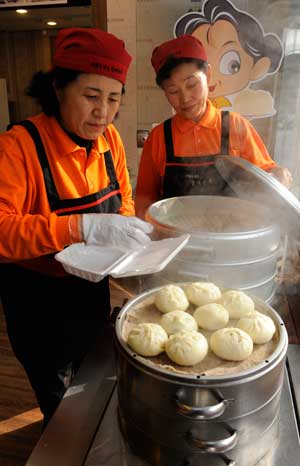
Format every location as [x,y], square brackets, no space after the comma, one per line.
[185,46]
[92,51]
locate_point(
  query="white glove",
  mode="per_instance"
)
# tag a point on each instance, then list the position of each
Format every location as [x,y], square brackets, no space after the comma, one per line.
[283,175]
[115,230]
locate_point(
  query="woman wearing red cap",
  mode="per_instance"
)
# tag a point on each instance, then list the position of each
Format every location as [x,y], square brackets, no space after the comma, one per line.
[178,156]
[64,180]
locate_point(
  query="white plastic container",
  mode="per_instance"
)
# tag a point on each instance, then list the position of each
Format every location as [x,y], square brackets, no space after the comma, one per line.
[93,263]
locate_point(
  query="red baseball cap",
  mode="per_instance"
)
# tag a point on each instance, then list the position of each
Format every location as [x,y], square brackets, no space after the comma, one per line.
[92,51]
[185,46]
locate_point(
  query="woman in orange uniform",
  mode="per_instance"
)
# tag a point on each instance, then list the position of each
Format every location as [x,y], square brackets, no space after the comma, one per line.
[178,156]
[64,180]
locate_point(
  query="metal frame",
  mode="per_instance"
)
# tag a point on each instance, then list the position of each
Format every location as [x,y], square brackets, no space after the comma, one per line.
[82,418]
[69,434]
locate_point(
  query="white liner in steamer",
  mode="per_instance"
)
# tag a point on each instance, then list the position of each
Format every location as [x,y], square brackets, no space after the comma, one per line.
[211,366]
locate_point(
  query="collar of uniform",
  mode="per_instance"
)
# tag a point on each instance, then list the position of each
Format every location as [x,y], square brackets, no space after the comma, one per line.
[101,144]
[63,140]
[209,119]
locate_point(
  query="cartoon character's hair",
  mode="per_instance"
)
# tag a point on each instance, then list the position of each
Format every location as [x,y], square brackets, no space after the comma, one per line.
[254,41]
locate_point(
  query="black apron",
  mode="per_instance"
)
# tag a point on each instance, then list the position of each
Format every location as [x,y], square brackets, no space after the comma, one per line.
[50,337]
[108,200]
[196,175]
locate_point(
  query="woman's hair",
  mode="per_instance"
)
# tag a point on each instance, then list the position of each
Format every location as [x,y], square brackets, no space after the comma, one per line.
[172,63]
[41,88]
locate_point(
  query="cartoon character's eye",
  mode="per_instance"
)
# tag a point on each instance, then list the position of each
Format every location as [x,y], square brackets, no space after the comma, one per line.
[230,63]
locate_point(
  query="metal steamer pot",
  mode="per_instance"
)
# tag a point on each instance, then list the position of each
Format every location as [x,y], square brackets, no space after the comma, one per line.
[181,419]
[234,242]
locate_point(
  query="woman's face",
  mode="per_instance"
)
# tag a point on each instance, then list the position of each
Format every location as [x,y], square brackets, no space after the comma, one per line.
[89,104]
[187,90]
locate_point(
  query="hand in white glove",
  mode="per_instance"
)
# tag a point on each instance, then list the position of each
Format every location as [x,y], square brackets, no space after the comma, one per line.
[283,175]
[115,230]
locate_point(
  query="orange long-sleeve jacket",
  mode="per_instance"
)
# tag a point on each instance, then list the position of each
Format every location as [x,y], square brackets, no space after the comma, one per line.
[195,138]
[28,229]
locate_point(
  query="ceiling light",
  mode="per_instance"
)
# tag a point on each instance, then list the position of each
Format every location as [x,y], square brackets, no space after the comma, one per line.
[21,11]
[51,23]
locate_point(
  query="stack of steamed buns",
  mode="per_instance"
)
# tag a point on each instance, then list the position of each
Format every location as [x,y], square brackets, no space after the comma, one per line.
[178,333]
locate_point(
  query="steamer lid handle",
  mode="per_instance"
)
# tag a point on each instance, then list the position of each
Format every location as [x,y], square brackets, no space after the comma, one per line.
[208,250]
[194,274]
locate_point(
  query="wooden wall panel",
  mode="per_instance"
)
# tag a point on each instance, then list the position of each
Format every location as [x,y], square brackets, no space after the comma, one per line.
[4,113]
[99,14]
[155,22]
[7,64]
[23,53]
[121,21]
[42,41]
[25,63]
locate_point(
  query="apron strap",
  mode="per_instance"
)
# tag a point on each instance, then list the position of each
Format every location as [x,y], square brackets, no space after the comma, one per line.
[49,182]
[52,193]
[225,116]
[168,140]
[110,168]
[225,128]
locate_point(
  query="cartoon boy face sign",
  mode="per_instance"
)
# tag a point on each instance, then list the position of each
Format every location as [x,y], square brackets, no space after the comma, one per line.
[239,53]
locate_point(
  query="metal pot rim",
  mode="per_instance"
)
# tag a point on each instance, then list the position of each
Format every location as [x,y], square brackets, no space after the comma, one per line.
[211,234]
[254,372]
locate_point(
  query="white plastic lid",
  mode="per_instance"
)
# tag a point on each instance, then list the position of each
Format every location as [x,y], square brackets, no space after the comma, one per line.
[93,263]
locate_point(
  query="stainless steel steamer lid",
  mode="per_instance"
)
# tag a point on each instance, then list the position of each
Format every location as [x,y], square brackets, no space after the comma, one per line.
[148,366]
[252,183]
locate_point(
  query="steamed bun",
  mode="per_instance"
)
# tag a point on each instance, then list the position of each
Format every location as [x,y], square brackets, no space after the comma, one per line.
[186,348]
[200,293]
[260,327]
[232,344]
[176,321]
[147,339]
[237,303]
[211,316]
[171,298]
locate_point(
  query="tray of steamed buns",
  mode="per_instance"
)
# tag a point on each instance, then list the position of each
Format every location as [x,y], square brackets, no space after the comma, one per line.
[199,327]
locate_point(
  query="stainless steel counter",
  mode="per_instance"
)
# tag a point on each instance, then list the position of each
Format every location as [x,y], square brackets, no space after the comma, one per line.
[84,430]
